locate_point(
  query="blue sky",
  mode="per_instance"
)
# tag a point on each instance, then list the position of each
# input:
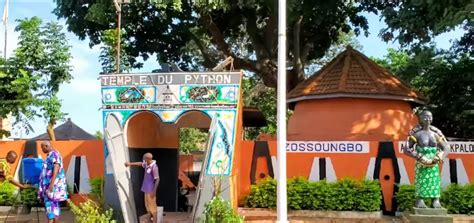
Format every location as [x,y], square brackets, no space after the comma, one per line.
[81,97]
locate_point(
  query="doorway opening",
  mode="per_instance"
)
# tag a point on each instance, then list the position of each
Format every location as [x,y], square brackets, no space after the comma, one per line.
[146,133]
[192,146]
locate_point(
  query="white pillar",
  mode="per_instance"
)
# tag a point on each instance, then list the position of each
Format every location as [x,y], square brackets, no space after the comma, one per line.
[282,212]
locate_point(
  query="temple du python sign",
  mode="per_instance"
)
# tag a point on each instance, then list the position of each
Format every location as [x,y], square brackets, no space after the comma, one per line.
[169,95]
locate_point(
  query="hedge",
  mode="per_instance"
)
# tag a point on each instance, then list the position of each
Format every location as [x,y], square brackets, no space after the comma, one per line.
[457,199]
[7,193]
[344,195]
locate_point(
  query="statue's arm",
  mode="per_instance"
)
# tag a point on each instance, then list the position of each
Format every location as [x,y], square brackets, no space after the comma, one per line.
[410,150]
[443,148]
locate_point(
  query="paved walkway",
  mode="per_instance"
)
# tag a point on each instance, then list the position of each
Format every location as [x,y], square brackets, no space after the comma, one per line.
[66,216]
[177,217]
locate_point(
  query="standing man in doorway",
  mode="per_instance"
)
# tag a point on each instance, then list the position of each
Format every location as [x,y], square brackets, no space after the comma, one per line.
[150,183]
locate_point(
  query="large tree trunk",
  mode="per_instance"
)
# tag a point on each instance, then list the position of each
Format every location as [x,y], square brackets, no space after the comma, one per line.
[269,74]
[265,50]
[50,131]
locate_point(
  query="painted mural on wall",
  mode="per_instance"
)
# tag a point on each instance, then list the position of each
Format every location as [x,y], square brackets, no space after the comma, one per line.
[169,96]
[333,160]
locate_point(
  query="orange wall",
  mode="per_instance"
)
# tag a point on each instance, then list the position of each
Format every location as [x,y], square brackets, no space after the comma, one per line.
[17,146]
[92,149]
[236,173]
[350,119]
[145,129]
[185,163]
[345,165]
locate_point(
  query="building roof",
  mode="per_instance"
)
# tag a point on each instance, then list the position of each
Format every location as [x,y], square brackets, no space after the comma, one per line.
[352,74]
[67,131]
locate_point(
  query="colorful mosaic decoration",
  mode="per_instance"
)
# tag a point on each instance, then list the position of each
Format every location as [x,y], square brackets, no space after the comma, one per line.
[209,94]
[170,96]
[126,95]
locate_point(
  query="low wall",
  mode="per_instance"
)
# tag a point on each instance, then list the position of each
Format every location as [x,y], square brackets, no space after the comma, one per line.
[365,160]
[83,160]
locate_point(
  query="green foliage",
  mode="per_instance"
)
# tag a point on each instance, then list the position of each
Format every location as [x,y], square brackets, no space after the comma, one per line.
[55,69]
[219,210]
[89,211]
[446,79]
[51,109]
[419,21]
[29,197]
[69,189]
[30,79]
[405,197]
[369,196]
[192,139]
[256,94]
[299,194]
[97,189]
[345,190]
[344,195]
[108,53]
[14,99]
[459,199]
[7,193]
[99,135]
[262,195]
[201,33]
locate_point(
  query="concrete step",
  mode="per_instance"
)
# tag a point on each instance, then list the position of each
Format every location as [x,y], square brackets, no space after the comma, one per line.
[431,211]
[430,219]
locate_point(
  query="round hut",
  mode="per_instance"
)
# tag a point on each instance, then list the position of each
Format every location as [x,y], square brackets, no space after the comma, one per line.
[352,103]
[352,98]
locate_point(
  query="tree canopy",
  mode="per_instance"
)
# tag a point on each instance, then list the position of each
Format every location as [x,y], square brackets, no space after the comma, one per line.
[197,34]
[418,21]
[200,33]
[445,77]
[194,33]
[32,76]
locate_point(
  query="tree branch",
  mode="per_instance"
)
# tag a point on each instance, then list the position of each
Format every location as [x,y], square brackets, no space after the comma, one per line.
[296,44]
[270,32]
[305,53]
[297,73]
[253,32]
[208,61]
[268,73]
[219,40]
